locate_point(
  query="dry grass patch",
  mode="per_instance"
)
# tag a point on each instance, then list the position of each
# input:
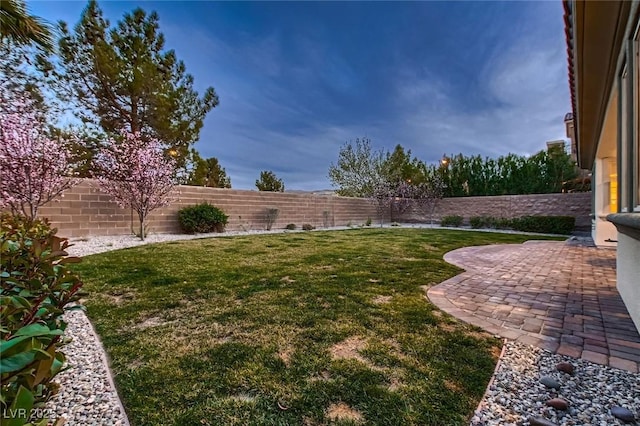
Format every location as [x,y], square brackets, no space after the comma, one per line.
[395,384]
[119,298]
[155,321]
[242,398]
[285,355]
[349,349]
[342,412]
[452,386]
[380,299]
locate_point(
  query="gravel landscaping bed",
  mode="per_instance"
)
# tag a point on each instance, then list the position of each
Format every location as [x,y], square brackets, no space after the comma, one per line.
[87,395]
[101,244]
[517,396]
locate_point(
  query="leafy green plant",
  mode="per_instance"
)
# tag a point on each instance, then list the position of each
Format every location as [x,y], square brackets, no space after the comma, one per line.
[487,222]
[271,216]
[454,221]
[308,227]
[368,222]
[563,225]
[36,287]
[202,218]
[502,223]
[476,222]
[543,224]
[290,227]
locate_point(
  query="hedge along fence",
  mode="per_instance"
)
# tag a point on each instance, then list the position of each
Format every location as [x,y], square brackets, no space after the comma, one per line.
[85,211]
[577,205]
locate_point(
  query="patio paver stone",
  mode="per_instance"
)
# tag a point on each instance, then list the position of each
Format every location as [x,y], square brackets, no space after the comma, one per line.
[558,296]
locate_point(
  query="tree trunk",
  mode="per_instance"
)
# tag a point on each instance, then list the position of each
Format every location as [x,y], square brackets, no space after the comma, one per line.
[142,230]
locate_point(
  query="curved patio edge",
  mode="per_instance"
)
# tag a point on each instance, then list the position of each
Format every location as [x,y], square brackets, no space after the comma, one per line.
[557,296]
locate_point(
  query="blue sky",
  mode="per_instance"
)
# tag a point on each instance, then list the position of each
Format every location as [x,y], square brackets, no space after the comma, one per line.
[297,80]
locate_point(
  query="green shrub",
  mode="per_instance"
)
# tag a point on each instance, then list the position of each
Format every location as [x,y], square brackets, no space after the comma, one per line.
[487,222]
[476,222]
[563,225]
[36,287]
[308,227]
[502,223]
[202,218]
[455,221]
[290,227]
[368,222]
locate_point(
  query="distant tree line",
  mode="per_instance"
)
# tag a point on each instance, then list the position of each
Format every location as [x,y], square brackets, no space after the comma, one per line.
[362,171]
[542,173]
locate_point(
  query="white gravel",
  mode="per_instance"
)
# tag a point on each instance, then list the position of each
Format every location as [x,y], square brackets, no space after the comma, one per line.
[516,393]
[101,244]
[87,394]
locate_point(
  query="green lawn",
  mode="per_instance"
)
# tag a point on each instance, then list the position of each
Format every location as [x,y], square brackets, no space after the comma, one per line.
[290,329]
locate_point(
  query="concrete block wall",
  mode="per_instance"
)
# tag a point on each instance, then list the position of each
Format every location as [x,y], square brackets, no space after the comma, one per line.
[577,205]
[85,211]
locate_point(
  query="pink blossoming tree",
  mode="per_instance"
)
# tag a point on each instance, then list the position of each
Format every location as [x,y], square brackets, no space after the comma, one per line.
[137,174]
[34,168]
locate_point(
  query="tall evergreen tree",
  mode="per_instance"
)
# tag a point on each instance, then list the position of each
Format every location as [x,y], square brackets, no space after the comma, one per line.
[207,172]
[269,182]
[400,166]
[123,78]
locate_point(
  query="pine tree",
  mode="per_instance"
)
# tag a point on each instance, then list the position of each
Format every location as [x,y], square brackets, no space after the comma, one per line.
[207,172]
[269,182]
[122,77]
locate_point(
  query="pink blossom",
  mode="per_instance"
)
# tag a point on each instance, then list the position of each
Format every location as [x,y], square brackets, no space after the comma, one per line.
[34,168]
[137,174]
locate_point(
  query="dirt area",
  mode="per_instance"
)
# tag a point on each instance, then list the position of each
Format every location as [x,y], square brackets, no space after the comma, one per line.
[341,411]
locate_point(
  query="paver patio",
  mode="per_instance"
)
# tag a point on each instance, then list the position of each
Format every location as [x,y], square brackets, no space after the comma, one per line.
[555,295]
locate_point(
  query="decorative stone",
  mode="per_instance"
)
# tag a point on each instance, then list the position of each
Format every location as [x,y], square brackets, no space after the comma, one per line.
[623,414]
[565,367]
[540,421]
[558,404]
[550,382]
